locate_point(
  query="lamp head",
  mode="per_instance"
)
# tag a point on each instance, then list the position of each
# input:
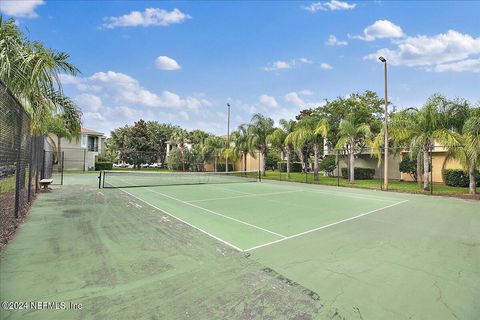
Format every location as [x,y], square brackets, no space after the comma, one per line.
[228,104]
[382,59]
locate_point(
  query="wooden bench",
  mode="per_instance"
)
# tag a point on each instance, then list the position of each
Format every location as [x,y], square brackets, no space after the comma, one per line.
[44,183]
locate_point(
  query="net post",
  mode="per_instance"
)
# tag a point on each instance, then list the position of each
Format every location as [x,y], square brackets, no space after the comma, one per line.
[99,180]
[103,180]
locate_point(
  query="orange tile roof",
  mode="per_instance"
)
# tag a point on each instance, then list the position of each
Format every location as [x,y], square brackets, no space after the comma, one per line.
[93,132]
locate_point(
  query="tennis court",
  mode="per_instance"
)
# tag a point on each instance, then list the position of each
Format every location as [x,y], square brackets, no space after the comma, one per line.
[242,213]
[178,246]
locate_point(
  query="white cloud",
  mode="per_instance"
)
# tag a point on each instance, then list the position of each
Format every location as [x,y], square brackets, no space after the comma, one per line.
[333,41]
[330,5]
[471,65]
[381,29]
[306,92]
[88,101]
[282,65]
[451,51]
[149,17]
[20,8]
[125,90]
[294,99]
[268,101]
[325,66]
[167,63]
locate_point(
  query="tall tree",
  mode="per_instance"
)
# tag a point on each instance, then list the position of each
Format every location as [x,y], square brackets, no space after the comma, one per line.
[159,134]
[137,146]
[420,129]
[259,129]
[352,134]
[180,139]
[241,140]
[278,139]
[56,125]
[213,149]
[32,71]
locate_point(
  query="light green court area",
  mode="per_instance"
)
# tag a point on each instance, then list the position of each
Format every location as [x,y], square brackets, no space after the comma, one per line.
[262,250]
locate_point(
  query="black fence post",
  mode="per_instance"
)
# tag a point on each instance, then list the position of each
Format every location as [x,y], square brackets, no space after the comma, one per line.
[62,167]
[338,169]
[84,159]
[18,159]
[382,167]
[431,169]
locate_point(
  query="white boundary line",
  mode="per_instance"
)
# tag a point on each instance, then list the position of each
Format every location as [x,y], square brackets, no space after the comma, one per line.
[189,224]
[322,227]
[250,195]
[216,213]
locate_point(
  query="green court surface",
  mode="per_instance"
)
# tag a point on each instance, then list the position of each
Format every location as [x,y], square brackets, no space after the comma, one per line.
[256,250]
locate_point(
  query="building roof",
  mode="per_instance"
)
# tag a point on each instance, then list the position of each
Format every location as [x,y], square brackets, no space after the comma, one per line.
[92,132]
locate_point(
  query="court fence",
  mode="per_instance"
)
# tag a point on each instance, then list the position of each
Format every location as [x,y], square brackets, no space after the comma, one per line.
[23,163]
[435,170]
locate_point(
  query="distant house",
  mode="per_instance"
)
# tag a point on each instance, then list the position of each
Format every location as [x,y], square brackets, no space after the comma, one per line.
[78,154]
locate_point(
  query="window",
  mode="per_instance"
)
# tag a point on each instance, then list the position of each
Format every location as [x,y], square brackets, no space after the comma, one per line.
[92,144]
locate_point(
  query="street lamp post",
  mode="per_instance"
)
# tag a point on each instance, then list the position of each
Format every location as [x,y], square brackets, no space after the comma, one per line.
[228,137]
[385,128]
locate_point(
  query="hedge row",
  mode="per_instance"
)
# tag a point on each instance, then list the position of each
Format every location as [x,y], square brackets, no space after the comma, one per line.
[103,165]
[294,166]
[221,167]
[459,178]
[360,173]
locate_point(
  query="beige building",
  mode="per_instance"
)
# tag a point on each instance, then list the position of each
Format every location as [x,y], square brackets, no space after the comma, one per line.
[81,153]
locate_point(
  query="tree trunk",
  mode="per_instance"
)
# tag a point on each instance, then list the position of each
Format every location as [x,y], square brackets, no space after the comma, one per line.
[264,155]
[288,163]
[419,170]
[315,161]
[444,164]
[472,187]
[352,165]
[245,161]
[215,164]
[426,159]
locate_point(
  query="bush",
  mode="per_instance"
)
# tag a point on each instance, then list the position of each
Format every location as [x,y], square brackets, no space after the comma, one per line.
[103,165]
[360,173]
[271,160]
[221,167]
[328,164]
[459,178]
[294,166]
[409,166]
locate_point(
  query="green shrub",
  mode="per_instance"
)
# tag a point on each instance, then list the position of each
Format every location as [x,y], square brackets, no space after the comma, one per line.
[103,165]
[459,178]
[221,167]
[271,160]
[409,166]
[360,173]
[294,166]
[328,164]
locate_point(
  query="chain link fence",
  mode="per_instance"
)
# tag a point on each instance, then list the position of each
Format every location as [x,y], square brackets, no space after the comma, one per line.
[434,170]
[22,163]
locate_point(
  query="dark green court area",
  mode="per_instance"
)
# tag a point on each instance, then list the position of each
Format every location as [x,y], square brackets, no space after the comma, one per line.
[253,250]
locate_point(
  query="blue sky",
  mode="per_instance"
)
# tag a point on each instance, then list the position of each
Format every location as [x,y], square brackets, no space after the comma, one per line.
[181,62]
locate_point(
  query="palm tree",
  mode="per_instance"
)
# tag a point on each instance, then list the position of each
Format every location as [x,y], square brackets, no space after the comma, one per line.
[32,72]
[56,125]
[259,129]
[213,148]
[351,136]
[468,153]
[241,139]
[418,130]
[278,139]
[180,138]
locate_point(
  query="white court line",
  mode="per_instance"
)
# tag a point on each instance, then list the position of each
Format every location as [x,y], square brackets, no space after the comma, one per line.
[249,195]
[189,224]
[216,213]
[322,227]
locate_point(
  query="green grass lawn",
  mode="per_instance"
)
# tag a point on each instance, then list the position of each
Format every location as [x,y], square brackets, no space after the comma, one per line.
[402,186]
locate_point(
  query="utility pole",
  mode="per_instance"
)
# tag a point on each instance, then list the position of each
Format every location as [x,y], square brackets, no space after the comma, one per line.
[228,137]
[385,128]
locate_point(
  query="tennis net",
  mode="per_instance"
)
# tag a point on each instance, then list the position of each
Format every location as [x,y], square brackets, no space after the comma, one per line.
[128,179]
